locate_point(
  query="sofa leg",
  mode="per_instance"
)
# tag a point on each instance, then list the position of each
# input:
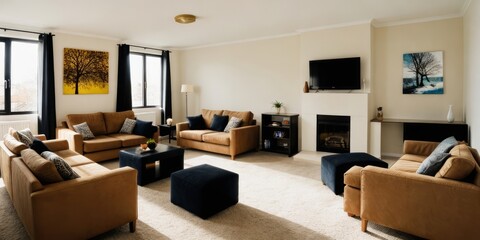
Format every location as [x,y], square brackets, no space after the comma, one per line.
[351,214]
[133,226]
[364,225]
[232,157]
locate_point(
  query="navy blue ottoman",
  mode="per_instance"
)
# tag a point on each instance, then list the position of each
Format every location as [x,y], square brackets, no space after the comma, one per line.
[335,166]
[204,190]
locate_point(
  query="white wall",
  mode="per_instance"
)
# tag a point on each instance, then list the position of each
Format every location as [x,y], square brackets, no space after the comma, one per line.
[472,74]
[246,76]
[390,45]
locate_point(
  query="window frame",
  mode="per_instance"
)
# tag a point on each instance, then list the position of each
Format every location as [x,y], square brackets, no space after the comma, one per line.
[144,80]
[8,72]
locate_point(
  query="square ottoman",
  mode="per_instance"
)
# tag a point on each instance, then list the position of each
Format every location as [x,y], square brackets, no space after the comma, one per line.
[334,166]
[204,190]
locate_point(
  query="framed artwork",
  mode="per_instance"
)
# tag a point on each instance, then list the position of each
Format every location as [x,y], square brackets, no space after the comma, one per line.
[423,73]
[85,71]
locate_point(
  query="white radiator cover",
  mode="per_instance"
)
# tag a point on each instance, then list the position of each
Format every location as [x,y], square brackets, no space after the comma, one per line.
[18,125]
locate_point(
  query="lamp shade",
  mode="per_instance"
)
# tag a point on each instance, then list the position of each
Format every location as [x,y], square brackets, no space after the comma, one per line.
[187,88]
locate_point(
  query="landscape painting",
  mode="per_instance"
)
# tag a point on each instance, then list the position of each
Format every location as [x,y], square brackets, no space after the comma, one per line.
[423,73]
[85,72]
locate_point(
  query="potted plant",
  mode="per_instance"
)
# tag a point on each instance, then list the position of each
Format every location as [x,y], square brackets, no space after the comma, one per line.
[151,143]
[277,105]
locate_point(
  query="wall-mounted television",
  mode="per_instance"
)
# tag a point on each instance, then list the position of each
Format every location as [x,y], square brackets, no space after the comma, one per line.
[335,74]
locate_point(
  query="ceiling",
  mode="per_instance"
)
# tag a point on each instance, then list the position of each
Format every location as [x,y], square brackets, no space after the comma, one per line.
[151,22]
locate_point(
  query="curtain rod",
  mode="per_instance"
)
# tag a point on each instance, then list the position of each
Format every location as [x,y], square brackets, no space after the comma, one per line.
[158,49]
[24,31]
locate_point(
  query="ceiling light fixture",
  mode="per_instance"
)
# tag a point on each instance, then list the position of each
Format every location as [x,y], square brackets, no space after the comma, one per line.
[185,18]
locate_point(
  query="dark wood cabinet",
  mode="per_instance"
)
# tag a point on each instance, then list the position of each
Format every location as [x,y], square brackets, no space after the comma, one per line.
[280,133]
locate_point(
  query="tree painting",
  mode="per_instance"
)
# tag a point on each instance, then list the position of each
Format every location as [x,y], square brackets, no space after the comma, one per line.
[85,72]
[423,73]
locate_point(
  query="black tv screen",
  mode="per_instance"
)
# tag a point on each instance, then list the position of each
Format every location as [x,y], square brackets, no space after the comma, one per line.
[335,74]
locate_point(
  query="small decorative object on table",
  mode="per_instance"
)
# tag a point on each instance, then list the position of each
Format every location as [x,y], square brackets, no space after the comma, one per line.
[379,114]
[450,117]
[169,121]
[143,146]
[305,87]
[277,105]
[151,143]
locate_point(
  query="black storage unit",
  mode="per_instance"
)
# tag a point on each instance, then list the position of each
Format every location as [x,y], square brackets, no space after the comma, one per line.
[280,133]
[435,132]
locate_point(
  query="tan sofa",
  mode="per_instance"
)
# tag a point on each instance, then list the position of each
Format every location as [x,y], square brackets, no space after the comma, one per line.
[96,202]
[444,206]
[105,126]
[238,140]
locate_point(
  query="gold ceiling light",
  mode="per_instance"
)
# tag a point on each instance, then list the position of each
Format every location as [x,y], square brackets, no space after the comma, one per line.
[185,18]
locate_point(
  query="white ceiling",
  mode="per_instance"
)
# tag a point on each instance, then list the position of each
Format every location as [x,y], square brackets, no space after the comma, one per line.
[150,22]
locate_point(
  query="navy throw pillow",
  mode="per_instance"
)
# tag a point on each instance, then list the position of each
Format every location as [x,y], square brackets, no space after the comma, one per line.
[219,123]
[143,128]
[446,145]
[196,122]
[39,146]
[432,164]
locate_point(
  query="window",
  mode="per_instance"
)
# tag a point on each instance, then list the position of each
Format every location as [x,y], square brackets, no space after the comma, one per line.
[146,79]
[18,68]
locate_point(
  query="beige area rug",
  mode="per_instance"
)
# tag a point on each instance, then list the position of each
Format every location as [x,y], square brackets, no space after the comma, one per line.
[279,198]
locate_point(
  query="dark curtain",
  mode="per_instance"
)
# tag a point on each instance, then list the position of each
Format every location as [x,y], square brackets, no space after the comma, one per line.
[47,119]
[124,88]
[167,91]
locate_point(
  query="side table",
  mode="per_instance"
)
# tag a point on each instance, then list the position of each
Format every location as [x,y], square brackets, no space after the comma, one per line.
[170,129]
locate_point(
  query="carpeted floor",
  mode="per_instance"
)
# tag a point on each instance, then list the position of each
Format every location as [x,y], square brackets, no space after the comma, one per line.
[279,198]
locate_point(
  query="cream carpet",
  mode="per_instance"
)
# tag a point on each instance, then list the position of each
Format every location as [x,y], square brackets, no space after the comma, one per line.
[279,198]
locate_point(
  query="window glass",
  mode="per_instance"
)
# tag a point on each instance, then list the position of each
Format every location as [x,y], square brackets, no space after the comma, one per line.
[24,75]
[136,75]
[154,72]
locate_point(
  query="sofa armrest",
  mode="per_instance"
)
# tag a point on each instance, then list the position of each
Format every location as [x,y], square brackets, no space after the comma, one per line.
[180,127]
[41,137]
[75,140]
[422,148]
[56,144]
[244,138]
[420,204]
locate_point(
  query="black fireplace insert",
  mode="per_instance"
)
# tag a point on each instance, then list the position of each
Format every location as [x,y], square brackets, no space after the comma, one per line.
[333,133]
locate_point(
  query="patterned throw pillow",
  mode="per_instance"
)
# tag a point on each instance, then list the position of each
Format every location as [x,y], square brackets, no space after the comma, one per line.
[83,129]
[232,123]
[62,167]
[128,126]
[26,136]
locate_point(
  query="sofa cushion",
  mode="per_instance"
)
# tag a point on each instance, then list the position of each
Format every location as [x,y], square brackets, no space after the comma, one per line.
[95,121]
[413,157]
[26,136]
[83,129]
[39,146]
[406,166]
[194,134]
[43,169]
[73,158]
[219,123]
[128,126]
[13,144]
[115,120]
[456,168]
[101,143]
[221,138]
[432,163]
[208,115]
[246,117]
[234,122]
[62,167]
[196,123]
[91,169]
[129,140]
[144,128]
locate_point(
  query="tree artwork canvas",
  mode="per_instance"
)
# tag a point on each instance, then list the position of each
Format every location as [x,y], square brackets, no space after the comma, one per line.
[423,73]
[85,72]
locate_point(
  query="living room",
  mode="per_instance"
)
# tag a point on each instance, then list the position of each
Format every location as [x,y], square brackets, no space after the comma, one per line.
[248,74]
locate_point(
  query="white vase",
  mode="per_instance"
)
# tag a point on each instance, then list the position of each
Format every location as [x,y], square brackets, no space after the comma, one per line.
[450,117]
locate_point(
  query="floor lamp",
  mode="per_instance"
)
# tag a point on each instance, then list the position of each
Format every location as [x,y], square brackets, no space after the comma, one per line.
[186,88]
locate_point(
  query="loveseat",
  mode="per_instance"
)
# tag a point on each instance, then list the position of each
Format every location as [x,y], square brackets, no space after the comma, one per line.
[443,206]
[108,140]
[97,201]
[237,140]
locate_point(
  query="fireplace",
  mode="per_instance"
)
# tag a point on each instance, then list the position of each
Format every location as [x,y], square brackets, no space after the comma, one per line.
[333,133]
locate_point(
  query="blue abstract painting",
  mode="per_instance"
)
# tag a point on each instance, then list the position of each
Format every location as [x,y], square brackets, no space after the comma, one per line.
[423,73]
